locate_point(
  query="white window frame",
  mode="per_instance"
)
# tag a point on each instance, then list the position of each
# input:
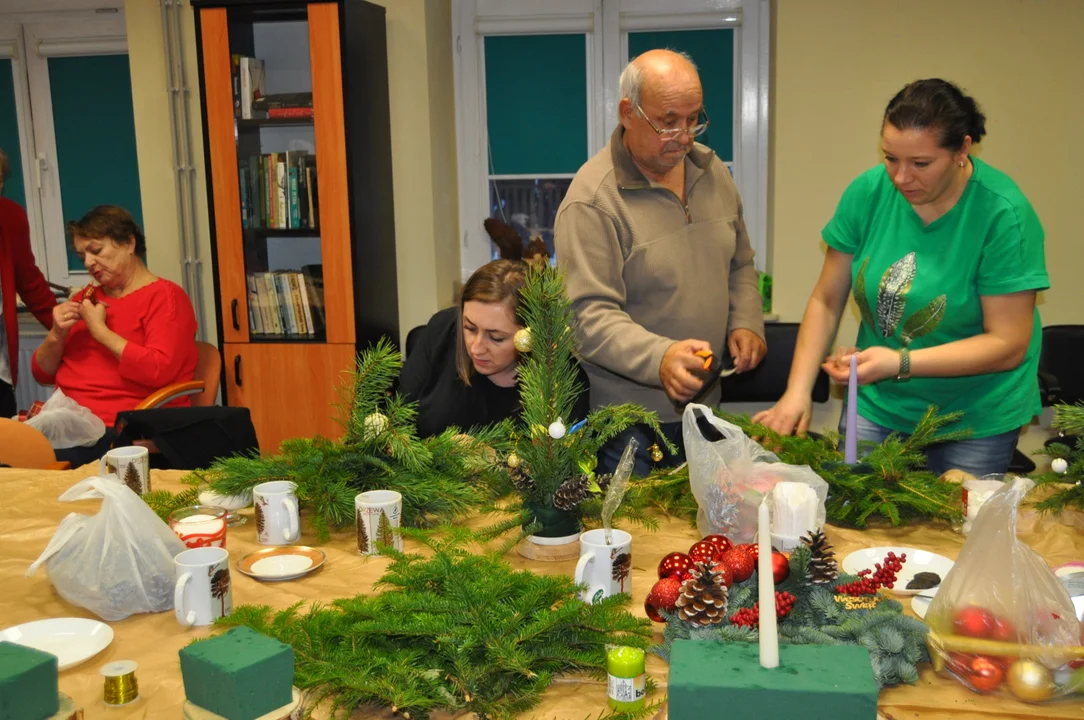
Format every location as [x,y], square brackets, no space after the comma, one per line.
[105,36]
[607,24]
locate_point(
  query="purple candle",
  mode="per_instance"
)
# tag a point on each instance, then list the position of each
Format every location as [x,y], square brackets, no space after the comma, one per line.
[850,454]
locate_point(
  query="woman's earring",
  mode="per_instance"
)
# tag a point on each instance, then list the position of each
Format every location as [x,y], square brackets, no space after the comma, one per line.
[962,163]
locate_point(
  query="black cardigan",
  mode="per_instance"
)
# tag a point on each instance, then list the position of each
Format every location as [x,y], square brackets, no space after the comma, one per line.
[429,377]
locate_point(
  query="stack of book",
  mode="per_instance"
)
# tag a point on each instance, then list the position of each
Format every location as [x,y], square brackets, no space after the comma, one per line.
[283,105]
[278,191]
[286,303]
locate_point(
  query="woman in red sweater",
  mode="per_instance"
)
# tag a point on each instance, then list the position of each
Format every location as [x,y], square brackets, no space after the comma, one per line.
[113,345]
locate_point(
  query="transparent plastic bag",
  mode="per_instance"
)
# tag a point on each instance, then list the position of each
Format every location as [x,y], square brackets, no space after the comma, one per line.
[116,563]
[66,423]
[1001,620]
[730,477]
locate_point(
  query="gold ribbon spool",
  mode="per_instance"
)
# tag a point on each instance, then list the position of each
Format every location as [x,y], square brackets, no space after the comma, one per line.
[121,687]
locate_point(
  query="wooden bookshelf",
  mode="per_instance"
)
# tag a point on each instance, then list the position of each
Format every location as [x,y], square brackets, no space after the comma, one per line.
[302,220]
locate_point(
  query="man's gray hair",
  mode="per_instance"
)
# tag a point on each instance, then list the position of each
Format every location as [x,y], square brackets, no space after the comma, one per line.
[631,83]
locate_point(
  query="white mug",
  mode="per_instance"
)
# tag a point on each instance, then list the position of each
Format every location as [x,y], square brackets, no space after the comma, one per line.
[379,513]
[202,593]
[605,569]
[131,465]
[277,519]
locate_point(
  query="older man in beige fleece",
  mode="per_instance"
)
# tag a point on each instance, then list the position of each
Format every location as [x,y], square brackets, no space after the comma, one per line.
[656,257]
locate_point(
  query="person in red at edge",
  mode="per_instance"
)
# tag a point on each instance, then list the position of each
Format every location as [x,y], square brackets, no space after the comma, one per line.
[19,275]
[111,348]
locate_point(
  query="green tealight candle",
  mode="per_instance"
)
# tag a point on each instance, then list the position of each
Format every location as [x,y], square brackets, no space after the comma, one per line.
[625,688]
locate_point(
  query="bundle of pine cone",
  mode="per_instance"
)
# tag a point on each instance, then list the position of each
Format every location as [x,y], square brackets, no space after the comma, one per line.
[703,597]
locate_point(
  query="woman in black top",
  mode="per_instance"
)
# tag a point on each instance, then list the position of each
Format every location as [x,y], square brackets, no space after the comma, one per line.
[464,367]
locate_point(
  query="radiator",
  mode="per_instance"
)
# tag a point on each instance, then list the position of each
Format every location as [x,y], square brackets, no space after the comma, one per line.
[27,389]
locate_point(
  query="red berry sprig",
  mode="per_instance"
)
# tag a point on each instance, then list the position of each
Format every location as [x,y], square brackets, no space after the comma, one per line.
[869,581]
[750,617]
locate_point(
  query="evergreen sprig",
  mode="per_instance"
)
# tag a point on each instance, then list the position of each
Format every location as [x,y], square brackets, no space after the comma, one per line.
[1065,491]
[441,478]
[549,387]
[896,642]
[454,631]
[890,481]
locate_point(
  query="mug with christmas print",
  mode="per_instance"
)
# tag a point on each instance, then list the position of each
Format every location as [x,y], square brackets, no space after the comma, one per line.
[605,568]
[277,518]
[379,513]
[131,465]
[202,592]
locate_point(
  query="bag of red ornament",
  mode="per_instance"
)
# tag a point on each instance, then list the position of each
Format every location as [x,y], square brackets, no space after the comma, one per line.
[1001,621]
[729,474]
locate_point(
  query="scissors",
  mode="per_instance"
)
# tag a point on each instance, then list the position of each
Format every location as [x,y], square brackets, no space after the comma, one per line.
[713,370]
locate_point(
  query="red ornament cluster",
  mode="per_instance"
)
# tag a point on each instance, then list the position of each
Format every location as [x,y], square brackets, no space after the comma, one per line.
[675,565]
[750,617]
[869,582]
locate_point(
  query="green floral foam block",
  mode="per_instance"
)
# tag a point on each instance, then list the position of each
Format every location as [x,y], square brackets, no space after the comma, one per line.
[239,674]
[28,683]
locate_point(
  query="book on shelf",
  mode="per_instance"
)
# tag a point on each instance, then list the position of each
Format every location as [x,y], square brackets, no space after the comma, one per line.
[251,72]
[286,302]
[278,191]
[281,101]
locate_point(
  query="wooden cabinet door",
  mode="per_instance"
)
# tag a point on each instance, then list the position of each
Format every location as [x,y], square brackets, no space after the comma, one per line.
[290,389]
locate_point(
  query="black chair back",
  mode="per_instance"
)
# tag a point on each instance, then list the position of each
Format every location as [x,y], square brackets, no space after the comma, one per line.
[1063,346]
[412,339]
[768,381]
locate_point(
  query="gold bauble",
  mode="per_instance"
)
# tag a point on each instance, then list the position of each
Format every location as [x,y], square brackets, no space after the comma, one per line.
[513,460]
[522,340]
[1030,681]
[656,453]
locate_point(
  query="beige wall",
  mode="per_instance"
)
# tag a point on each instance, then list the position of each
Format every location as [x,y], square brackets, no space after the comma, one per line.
[836,63]
[423,151]
[154,148]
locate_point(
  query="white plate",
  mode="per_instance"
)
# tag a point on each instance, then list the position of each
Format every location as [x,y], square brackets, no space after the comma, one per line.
[72,640]
[285,562]
[917,561]
[921,603]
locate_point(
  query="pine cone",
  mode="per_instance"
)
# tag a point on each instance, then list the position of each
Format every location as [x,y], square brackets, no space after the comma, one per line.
[822,562]
[571,493]
[703,596]
[521,477]
[604,481]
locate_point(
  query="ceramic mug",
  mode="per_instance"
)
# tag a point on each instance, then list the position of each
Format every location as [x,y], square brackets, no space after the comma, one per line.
[605,569]
[378,514]
[131,465]
[277,519]
[202,593]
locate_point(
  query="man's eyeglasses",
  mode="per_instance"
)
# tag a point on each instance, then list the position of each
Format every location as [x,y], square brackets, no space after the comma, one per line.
[673,133]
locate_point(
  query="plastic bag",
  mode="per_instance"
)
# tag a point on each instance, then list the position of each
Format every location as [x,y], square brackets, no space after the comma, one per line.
[1001,618]
[730,477]
[116,563]
[67,423]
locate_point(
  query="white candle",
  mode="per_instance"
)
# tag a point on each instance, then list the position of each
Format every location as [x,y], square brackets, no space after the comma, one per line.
[769,634]
[201,530]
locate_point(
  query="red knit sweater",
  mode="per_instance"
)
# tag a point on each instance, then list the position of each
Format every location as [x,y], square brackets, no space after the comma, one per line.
[158,322]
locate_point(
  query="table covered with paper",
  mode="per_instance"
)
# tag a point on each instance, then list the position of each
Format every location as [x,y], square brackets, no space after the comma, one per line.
[30,514]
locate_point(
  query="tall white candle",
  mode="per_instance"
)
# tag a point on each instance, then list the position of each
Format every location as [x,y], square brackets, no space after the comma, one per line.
[769,633]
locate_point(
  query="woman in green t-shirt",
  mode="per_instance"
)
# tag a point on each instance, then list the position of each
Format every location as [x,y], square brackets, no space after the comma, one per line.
[945,256]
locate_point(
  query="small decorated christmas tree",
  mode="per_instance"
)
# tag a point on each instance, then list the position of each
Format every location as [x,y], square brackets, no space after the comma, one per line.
[1063,487]
[553,455]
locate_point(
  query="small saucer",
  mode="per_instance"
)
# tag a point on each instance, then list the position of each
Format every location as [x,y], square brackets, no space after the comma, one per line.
[287,562]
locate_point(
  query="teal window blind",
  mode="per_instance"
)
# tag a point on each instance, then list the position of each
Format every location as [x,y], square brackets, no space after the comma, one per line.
[95,136]
[536,103]
[14,188]
[713,53]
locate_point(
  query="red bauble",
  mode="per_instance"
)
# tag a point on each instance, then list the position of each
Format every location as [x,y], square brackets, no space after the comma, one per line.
[675,565]
[1003,630]
[663,596]
[974,622]
[986,674]
[704,551]
[780,566]
[740,564]
[721,542]
[751,549]
[721,568]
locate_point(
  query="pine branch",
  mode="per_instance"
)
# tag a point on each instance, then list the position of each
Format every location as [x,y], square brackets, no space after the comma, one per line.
[163,502]
[454,632]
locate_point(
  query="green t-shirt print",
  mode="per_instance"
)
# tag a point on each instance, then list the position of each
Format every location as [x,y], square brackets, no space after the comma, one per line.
[920,285]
